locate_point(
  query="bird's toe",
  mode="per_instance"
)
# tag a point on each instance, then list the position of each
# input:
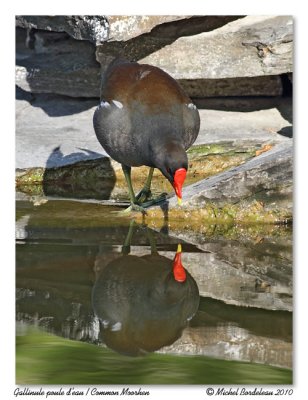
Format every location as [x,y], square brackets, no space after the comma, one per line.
[143,195]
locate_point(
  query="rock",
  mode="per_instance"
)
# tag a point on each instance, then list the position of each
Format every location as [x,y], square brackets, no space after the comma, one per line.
[52,122]
[138,36]
[241,128]
[252,46]
[126,27]
[257,191]
[61,65]
[94,28]
[268,176]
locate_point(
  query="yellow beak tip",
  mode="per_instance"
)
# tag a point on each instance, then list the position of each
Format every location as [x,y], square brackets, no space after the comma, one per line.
[179,249]
[179,201]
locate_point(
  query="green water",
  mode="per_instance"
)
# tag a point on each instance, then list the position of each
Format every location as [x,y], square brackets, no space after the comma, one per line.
[97,302]
[46,359]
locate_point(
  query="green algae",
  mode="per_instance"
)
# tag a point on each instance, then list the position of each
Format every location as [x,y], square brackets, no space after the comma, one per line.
[246,213]
[221,148]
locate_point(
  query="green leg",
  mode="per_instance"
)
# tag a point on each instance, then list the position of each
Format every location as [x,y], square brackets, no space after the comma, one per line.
[127,174]
[142,197]
[134,205]
[145,192]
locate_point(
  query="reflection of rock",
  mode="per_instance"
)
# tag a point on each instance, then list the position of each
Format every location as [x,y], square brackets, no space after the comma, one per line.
[140,305]
[228,269]
[233,343]
[219,279]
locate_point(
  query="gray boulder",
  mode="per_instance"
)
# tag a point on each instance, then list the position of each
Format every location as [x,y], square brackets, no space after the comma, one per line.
[252,46]
[268,177]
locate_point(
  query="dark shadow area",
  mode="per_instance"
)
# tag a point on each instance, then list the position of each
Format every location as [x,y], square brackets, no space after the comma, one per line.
[55,105]
[81,178]
[287,131]
[21,94]
[287,85]
[247,104]
[57,158]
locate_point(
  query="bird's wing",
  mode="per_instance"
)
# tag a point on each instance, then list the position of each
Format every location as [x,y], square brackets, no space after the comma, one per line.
[191,122]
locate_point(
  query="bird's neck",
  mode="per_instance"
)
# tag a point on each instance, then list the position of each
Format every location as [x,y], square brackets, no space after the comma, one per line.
[168,151]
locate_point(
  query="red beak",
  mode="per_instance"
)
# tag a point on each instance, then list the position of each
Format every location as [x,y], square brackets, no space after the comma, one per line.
[178,180]
[178,269]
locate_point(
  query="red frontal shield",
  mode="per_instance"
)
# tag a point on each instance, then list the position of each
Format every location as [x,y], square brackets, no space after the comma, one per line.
[178,269]
[178,180]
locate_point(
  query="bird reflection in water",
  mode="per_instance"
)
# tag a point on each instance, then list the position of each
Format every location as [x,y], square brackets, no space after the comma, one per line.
[143,303]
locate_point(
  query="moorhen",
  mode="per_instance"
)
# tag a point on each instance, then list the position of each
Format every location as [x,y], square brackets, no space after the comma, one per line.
[145,118]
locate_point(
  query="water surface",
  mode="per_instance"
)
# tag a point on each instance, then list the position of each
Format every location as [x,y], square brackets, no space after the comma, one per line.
[84,274]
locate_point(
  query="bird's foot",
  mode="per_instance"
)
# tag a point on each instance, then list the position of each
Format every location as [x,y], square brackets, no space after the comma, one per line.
[143,195]
[133,207]
[154,201]
[141,207]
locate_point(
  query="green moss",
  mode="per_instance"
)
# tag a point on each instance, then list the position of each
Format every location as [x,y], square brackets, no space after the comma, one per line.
[32,176]
[222,148]
[205,149]
[245,212]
